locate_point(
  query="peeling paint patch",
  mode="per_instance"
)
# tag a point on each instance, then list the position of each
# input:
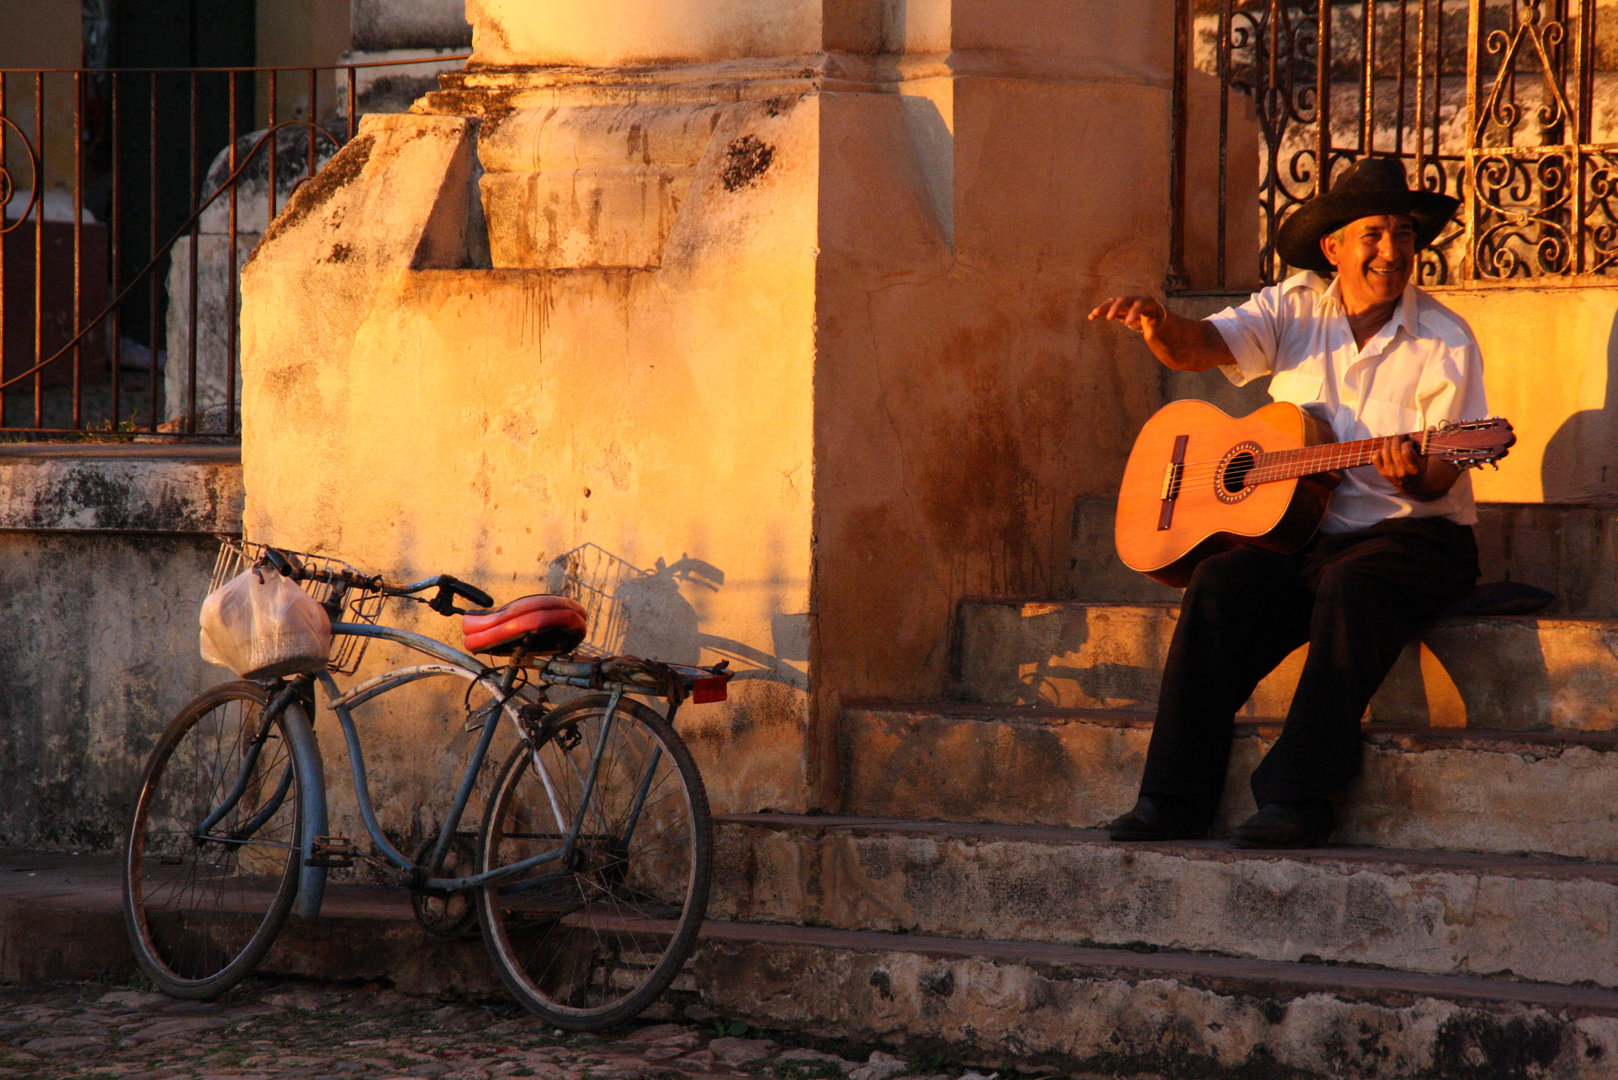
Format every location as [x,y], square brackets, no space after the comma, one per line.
[1473,1046]
[746,159]
[180,494]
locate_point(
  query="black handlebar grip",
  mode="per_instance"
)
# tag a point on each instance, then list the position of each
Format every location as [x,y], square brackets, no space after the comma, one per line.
[474,594]
[449,587]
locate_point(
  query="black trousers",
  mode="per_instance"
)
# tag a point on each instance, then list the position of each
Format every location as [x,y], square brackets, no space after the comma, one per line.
[1356,598]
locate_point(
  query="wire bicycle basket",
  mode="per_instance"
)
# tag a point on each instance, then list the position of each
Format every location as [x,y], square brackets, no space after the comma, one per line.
[362,605]
[593,575]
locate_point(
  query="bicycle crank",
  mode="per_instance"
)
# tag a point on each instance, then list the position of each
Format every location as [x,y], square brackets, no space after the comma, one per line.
[443,914]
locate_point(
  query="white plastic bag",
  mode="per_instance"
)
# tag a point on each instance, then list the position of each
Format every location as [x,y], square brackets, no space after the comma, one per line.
[264,629]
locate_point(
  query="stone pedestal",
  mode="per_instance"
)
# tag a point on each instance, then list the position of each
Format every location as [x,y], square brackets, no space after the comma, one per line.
[775,309]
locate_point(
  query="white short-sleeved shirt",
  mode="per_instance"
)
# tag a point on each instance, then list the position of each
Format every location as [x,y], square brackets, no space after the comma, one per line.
[1421,367]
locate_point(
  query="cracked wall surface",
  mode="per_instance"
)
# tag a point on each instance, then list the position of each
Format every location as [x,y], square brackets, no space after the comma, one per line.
[105,555]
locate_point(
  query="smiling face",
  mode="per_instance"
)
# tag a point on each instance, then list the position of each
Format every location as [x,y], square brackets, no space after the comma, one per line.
[1374,257]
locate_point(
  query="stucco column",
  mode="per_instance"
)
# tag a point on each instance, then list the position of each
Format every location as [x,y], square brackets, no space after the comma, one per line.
[763,319]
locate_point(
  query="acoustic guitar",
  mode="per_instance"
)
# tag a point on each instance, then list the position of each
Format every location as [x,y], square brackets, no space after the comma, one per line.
[1200,481]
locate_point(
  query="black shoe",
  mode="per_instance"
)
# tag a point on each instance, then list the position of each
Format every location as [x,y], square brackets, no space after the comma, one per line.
[1285,825]
[1156,819]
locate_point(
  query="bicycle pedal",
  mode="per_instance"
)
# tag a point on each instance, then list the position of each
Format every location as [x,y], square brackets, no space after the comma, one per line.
[333,852]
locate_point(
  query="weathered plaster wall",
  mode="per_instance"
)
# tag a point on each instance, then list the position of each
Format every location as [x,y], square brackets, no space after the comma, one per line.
[381,25]
[624,33]
[487,422]
[961,399]
[105,554]
[1551,357]
[402,30]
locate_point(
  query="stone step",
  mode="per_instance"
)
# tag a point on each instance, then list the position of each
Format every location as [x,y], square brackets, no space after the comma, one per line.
[1051,1008]
[1109,1012]
[1443,913]
[1496,672]
[1466,790]
[61,919]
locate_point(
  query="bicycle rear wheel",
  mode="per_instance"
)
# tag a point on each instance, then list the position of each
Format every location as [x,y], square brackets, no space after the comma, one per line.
[203,901]
[592,938]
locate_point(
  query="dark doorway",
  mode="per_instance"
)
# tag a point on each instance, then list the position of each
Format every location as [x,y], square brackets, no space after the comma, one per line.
[158,129]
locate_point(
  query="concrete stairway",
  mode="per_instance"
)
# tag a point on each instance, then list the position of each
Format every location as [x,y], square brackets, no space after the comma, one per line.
[1461,926]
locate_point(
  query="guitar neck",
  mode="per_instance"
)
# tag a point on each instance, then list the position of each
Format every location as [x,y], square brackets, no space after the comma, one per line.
[1326,457]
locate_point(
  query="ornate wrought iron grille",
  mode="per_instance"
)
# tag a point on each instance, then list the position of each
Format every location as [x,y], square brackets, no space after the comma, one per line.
[1510,105]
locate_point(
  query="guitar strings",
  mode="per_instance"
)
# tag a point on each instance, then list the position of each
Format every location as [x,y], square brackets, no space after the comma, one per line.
[1293,463]
[1272,465]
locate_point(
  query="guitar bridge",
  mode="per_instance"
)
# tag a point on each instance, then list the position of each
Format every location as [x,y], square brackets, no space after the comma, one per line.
[1171,480]
[1171,483]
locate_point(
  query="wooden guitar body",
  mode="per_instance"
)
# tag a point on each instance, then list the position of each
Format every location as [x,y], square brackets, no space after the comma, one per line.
[1183,496]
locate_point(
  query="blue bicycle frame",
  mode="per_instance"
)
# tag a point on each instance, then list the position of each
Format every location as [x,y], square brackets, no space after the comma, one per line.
[288,701]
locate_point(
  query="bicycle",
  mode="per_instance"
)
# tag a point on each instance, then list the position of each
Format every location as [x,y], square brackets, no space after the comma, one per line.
[589,875]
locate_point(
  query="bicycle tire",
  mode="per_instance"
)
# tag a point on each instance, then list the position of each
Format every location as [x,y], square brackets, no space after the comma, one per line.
[201,914]
[596,941]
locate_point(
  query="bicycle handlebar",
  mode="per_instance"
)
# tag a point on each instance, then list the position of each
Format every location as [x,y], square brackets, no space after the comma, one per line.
[448,588]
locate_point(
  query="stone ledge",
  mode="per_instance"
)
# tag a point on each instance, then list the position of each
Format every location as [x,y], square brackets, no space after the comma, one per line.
[1445,912]
[121,488]
[1110,1013]
[1089,1010]
[1471,790]
[1493,672]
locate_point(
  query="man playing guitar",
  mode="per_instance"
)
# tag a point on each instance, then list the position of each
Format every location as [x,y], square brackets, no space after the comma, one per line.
[1369,354]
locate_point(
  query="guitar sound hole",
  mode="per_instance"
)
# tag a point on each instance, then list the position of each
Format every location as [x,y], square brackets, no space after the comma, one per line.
[1236,471]
[1231,485]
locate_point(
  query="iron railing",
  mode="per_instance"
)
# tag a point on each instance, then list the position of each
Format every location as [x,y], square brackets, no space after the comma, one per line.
[128,200]
[1510,105]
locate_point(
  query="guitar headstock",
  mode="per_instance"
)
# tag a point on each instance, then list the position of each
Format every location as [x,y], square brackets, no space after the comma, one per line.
[1470,443]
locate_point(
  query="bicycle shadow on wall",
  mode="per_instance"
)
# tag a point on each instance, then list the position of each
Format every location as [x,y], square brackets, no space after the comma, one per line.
[644,613]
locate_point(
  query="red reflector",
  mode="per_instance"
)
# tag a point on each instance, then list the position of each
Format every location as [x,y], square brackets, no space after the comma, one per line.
[709,689]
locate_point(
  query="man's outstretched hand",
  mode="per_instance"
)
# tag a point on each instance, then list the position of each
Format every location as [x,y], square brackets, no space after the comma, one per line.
[1180,343]
[1143,314]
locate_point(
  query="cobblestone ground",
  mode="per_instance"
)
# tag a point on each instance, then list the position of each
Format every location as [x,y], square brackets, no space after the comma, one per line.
[284,1030]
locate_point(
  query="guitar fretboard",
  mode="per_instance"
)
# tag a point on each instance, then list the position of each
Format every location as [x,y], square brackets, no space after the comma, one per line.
[1327,457]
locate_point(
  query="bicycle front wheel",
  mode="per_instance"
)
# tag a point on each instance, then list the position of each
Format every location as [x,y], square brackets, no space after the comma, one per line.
[211,865]
[590,936]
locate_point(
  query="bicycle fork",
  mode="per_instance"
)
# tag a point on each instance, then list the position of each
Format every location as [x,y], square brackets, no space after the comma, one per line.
[291,704]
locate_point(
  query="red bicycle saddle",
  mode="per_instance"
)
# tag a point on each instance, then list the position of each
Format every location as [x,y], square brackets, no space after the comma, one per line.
[534,624]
